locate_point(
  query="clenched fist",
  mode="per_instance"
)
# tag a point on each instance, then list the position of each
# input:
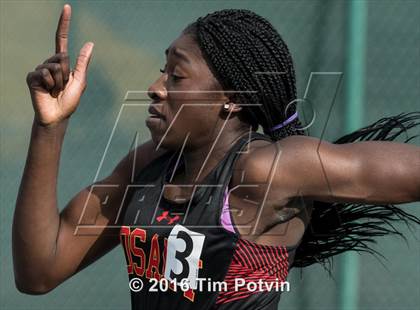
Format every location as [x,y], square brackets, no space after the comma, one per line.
[55,88]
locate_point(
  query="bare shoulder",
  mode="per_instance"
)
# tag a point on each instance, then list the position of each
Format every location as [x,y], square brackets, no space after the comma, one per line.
[260,159]
[302,166]
[262,184]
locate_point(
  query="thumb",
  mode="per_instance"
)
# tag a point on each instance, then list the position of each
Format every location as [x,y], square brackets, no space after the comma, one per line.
[82,62]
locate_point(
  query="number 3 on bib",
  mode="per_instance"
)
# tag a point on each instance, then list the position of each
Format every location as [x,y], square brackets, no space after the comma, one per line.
[184,249]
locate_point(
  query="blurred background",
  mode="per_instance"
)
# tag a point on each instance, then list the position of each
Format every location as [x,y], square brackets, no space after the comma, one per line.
[372,46]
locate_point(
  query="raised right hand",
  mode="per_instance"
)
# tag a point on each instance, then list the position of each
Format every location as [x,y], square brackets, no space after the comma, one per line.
[55,89]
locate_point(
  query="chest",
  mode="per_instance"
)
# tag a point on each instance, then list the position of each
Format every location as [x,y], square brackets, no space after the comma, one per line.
[256,220]
[165,237]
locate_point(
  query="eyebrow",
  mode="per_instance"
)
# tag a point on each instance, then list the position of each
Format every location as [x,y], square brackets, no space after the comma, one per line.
[178,52]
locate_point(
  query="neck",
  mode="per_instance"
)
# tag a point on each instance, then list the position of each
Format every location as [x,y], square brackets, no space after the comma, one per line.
[202,159]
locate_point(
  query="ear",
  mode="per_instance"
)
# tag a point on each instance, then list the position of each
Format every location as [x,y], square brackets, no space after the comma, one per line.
[230,104]
[231,107]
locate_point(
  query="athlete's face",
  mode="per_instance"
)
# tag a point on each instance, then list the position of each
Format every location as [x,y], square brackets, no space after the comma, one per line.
[187,99]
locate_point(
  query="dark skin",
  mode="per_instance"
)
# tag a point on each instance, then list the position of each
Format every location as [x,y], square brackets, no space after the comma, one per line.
[46,250]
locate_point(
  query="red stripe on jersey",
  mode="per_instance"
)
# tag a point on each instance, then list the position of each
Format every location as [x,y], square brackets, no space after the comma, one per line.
[252,262]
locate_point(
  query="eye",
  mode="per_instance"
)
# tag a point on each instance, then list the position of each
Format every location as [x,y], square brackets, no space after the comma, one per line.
[173,76]
[176,77]
[163,70]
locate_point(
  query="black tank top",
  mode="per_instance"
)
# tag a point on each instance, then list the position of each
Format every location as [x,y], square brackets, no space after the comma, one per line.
[188,244]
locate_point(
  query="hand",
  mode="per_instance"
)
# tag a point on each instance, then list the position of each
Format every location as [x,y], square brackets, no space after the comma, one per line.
[55,89]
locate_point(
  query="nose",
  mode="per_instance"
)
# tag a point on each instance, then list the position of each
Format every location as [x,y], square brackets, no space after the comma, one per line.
[157,91]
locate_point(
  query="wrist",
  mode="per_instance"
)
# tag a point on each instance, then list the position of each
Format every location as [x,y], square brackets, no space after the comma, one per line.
[50,129]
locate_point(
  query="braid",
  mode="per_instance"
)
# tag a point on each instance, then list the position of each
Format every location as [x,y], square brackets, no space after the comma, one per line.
[246,54]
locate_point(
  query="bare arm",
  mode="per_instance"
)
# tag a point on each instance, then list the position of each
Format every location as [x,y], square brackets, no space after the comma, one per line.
[367,172]
[45,249]
[36,219]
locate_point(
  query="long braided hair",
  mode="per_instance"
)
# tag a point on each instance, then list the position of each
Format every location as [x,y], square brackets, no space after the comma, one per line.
[247,55]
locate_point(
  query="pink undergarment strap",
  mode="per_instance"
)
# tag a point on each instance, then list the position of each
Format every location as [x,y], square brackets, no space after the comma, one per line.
[225,217]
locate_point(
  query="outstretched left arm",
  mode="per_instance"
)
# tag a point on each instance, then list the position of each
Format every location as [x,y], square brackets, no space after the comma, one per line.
[366,172]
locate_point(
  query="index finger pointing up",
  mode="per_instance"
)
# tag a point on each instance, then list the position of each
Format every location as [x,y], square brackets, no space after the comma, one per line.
[61,36]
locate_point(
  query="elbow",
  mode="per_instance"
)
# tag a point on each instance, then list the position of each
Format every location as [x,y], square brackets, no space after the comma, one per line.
[32,290]
[38,289]
[32,278]
[34,286]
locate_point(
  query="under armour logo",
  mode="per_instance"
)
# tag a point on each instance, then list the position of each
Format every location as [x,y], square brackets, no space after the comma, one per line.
[165,216]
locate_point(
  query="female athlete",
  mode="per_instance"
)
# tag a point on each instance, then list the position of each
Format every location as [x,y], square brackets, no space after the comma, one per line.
[208,199]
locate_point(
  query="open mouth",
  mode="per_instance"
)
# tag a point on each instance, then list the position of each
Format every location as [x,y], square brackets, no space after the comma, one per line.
[156,116]
[154,113]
